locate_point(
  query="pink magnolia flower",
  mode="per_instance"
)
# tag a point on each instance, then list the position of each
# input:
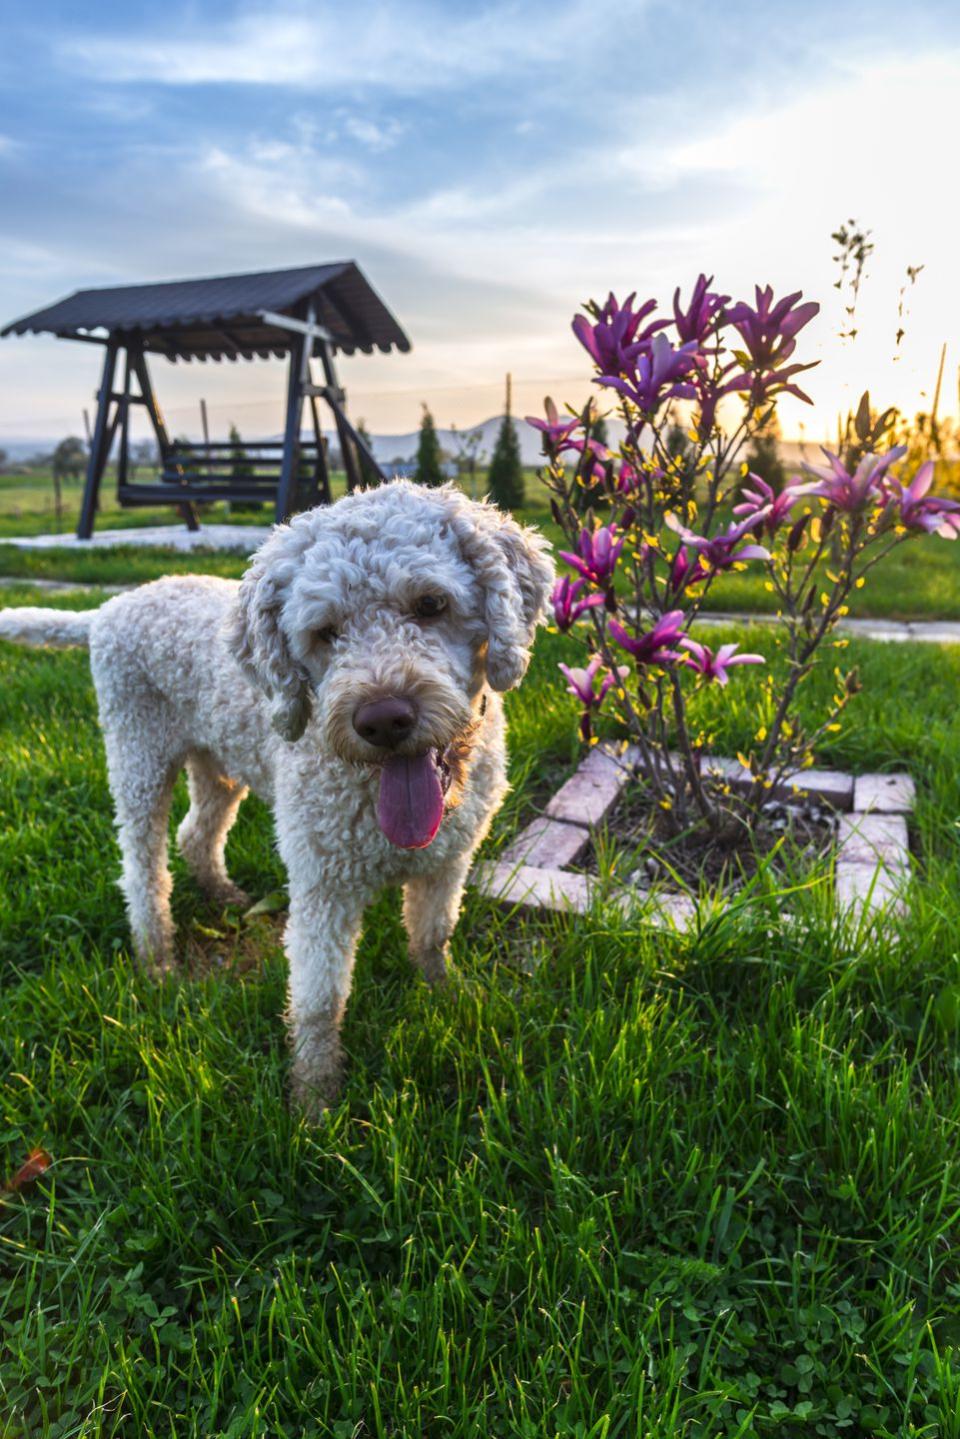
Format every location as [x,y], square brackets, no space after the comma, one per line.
[715,666]
[656,375]
[554,430]
[614,337]
[768,330]
[595,457]
[723,551]
[763,500]
[696,322]
[918,510]
[567,606]
[684,571]
[581,684]
[847,492]
[653,647]
[627,481]
[597,555]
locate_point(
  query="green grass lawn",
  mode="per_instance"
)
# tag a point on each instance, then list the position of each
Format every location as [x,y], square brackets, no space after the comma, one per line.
[27,507]
[614,1184]
[920,581]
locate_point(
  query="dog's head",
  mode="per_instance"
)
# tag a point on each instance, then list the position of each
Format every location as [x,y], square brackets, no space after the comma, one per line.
[384,616]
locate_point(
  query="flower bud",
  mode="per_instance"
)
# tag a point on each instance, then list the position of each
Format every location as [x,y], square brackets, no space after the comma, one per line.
[795,537]
[826,524]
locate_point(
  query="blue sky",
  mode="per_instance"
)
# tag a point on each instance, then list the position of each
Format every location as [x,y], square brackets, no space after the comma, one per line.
[489,166]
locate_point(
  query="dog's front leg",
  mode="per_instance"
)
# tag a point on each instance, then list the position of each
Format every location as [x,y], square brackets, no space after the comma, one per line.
[431,908]
[321,942]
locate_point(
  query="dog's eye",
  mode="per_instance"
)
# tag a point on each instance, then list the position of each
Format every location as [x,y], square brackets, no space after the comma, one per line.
[325,636]
[428,606]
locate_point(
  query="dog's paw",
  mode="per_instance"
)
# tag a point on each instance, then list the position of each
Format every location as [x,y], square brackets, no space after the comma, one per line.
[228,895]
[163,969]
[433,965]
[312,1096]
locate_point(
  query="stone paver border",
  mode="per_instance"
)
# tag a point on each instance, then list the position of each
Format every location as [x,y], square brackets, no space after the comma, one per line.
[871,869]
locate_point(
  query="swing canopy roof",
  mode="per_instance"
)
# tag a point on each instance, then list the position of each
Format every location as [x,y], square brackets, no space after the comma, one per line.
[228,316]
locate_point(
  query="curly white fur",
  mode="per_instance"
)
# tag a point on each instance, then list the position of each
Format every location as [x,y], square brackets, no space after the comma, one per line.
[322,622]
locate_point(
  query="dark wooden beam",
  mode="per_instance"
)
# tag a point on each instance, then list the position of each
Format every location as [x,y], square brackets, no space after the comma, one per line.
[350,441]
[321,474]
[98,458]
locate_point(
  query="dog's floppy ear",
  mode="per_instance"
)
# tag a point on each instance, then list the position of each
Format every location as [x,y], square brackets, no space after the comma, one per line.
[254,634]
[515,570]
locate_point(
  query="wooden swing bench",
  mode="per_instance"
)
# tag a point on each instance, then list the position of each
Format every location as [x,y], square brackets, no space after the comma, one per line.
[298,315]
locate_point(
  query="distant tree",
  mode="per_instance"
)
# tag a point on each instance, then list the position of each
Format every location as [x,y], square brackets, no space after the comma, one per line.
[3,460]
[678,442]
[428,471]
[142,454]
[763,457]
[241,469]
[467,452]
[68,462]
[505,476]
[370,475]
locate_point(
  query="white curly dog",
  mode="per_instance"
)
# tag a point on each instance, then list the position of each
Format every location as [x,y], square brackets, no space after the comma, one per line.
[352,680]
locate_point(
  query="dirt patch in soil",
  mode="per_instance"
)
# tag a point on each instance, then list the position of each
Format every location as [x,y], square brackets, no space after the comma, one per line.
[644,846]
[230,944]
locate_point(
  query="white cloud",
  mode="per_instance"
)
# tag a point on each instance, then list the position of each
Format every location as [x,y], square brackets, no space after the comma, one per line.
[375,135]
[409,49]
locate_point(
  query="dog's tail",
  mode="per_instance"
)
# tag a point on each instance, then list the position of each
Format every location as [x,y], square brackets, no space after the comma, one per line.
[59,629]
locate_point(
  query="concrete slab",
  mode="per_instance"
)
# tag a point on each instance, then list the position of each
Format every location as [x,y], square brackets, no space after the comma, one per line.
[935,632]
[884,793]
[873,839]
[589,794]
[830,786]
[547,844]
[553,889]
[870,886]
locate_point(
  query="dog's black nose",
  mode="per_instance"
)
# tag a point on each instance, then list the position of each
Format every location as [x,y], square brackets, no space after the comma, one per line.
[385,723]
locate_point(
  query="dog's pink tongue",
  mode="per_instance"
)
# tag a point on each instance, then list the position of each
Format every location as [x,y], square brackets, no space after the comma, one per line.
[410,806]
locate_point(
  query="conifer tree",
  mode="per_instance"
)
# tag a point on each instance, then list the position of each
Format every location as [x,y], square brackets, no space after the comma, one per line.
[370,476]
[505,476]
[429,470]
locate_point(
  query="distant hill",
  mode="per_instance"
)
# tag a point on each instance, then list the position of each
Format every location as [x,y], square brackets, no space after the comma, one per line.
[402,448]
[19,451]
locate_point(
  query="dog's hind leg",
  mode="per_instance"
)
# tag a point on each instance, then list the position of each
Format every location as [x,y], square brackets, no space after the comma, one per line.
[142,768]
[202,836]
[431,908]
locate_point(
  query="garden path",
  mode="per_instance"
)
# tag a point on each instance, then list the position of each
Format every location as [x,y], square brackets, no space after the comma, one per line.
[946,632]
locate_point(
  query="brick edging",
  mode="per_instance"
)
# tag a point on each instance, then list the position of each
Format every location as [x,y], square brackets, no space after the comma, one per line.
[872,862]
